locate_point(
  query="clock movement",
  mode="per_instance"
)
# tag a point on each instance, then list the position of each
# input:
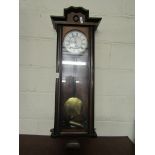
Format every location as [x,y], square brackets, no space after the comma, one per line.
[74,89]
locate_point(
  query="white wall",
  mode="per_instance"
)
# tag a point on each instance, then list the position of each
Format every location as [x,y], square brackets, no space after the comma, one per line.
[114,92]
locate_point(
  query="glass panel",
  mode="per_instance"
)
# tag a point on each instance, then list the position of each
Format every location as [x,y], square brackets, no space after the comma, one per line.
[74,88]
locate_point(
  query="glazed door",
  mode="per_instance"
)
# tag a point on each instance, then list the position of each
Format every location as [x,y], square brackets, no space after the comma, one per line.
[75,71]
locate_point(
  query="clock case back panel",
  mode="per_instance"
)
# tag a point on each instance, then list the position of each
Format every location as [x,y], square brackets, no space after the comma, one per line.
[76,82]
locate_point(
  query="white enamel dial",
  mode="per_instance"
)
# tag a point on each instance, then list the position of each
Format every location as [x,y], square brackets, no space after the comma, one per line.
[75,42]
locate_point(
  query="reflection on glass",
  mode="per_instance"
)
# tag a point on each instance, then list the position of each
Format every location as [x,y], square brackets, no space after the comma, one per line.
[77,63]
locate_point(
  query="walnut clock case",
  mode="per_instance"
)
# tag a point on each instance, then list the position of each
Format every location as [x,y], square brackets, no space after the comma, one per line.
[74,92]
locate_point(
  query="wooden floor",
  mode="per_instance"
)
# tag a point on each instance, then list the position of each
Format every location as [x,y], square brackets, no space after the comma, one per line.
[45,145]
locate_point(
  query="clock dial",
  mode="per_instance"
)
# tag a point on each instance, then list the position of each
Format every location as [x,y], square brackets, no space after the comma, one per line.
[75,42]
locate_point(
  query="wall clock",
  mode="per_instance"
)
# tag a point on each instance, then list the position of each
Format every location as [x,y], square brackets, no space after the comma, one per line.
[74,95]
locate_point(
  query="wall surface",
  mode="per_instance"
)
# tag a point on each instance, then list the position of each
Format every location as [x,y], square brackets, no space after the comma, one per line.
[114,84]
